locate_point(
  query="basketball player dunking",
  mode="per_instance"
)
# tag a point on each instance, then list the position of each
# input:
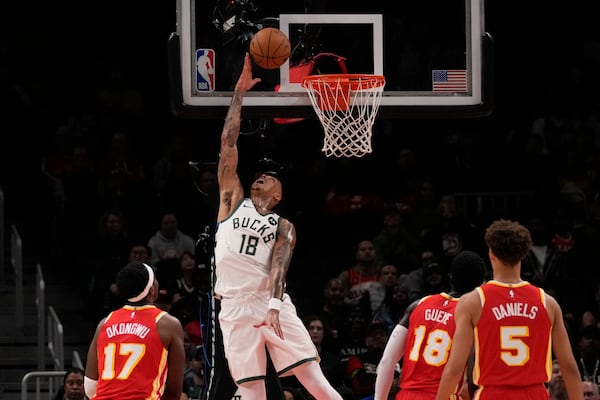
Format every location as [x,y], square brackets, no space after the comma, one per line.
[252,255]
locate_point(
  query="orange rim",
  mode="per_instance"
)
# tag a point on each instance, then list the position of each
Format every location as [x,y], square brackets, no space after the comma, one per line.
[353,80]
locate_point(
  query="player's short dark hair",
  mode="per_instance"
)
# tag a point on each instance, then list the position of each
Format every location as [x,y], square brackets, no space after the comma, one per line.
[132,280]
[467,271]
[270,167]
[508,240]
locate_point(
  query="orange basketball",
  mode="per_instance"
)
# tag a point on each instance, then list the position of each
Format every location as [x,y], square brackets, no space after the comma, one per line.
[270,48]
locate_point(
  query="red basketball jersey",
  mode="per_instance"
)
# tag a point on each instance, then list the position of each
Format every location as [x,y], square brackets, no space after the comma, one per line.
[132,360]
[428,343]
[512,337]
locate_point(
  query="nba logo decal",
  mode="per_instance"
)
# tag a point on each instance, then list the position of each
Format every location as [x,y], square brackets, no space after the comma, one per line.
[205,70]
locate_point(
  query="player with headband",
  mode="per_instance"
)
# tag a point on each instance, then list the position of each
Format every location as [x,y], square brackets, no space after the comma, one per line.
[137,351]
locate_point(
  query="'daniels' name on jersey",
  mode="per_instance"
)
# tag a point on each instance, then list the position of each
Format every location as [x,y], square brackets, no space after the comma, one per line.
[515,310]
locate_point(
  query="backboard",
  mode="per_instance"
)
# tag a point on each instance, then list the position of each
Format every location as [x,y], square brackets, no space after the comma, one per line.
[436,57]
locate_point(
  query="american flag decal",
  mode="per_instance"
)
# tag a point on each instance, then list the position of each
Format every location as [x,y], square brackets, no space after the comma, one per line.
[449,80]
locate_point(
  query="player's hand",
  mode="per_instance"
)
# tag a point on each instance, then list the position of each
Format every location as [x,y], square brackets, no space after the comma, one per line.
[272,320]
[245,81]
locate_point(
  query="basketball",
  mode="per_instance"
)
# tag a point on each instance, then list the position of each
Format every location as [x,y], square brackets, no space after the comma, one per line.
[270,48]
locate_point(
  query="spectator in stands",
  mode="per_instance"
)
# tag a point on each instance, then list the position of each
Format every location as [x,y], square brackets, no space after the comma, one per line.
[293,393]
[591,311]
[120,160]
[189,187]
[72,387]
[429,278]
[123,182]
[186,282]
[353,334]
[393,306]
[193,376]
[590,390]
[539,260]
[396,243]
[353,201]
[556,385]
[79,219]
[357,279]
[587,352]
[330,362]
[193,330]
[452,234]
[406,172]
[57,159]
[190,344]
[361,370]
[171,172]
[357,282]
[168,245]
[205,199]
[568,274]
[424,214]
[333,309]
[140,252]
[388,277]
[110,252]
[186,290]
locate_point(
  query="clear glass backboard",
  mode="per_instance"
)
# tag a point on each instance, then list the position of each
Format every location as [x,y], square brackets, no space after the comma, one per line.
[436,57]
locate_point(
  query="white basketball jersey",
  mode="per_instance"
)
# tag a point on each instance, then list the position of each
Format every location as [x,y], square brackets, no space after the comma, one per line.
[244,242]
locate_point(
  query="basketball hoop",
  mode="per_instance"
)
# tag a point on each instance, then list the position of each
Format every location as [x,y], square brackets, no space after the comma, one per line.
[346,105]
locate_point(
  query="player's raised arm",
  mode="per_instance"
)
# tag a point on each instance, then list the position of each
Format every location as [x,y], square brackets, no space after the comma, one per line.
[230,187]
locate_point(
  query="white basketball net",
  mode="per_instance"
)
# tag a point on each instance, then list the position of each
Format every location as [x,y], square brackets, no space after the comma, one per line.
[346,106]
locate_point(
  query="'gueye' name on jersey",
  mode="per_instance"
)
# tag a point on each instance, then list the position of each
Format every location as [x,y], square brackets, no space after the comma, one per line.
[129,328]
[515,310]
[256,225]
[433,314]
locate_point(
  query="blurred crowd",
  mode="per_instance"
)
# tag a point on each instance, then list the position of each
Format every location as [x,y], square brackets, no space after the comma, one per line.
[108,178]
[374,234]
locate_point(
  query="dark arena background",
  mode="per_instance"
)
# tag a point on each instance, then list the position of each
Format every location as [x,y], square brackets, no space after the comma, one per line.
[87,84]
